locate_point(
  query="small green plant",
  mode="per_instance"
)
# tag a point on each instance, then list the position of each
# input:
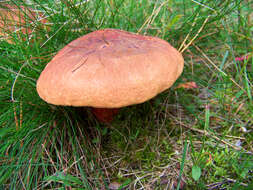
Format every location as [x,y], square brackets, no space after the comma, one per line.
[196,172]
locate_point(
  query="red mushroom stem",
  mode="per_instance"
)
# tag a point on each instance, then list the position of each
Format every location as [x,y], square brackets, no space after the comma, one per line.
[105,115]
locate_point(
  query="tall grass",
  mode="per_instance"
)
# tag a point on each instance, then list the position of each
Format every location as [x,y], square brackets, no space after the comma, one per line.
[52,147]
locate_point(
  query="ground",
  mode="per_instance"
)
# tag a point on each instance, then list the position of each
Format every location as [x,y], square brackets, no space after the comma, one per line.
[195,135]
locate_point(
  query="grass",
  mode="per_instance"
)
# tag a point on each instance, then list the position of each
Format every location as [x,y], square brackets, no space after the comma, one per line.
[199,138]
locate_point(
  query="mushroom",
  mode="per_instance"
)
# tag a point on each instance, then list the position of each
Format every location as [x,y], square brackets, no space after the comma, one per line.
[109,69]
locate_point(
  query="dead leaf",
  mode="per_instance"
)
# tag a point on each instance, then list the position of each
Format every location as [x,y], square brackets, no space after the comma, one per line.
[114,186]
[187,85]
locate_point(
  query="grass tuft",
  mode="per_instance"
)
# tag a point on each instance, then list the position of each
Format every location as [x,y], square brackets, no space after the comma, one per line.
[185,138]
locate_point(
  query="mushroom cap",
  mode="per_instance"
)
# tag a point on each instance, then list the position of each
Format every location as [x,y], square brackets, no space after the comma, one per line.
[110,68]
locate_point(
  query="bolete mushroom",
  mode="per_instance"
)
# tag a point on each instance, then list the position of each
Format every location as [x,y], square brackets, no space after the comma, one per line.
[109,69]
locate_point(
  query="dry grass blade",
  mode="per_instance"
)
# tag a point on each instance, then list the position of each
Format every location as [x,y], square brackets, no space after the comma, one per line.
[152,17]
[188,35]
[213,64]
[206,133]
[15,80]
[181,49]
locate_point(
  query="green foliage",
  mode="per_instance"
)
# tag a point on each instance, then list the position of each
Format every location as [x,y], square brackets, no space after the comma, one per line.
[196,172]
[65,179]
[49,147]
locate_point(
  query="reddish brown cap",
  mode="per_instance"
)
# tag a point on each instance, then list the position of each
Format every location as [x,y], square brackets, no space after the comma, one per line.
[110,69]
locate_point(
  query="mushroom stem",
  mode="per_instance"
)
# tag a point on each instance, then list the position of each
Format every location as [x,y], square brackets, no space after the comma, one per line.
[105,115]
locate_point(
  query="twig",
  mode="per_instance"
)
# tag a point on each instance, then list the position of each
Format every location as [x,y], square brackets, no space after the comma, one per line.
[216,185]
[138,179]
[235,137]
[234,181]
